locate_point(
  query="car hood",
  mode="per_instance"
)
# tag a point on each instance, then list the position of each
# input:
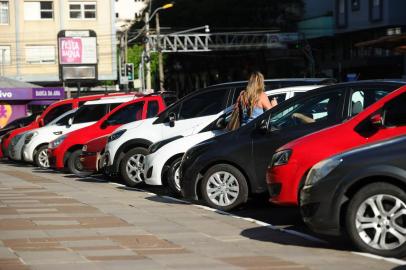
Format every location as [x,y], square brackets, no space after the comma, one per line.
[136,124]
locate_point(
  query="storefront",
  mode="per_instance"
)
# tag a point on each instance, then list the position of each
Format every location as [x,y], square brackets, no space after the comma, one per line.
[19,102]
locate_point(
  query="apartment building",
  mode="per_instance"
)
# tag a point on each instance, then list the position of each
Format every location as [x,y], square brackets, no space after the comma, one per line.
[29,43]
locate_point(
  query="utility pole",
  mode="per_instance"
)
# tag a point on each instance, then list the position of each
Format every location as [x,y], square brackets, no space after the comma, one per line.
[147,53]
[160,57]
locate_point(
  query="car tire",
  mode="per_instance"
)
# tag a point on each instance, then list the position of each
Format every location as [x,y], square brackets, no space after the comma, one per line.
[172,177]
[75,166]
[41,157]
[369,210]
[132,167]
[224,196]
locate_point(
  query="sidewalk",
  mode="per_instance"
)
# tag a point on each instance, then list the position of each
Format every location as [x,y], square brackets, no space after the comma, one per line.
[52,221]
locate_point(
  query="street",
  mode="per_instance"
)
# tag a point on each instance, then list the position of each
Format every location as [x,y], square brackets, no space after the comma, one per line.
[51,220]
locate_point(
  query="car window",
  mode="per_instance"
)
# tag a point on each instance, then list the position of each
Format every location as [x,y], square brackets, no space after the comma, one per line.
[65,120]
[90,113]
[207,103]
[169,100]
[360,99]
[57,111]
[129,113]
[114,105]
[395,111]
[279,97]
[153,108]
[325,107]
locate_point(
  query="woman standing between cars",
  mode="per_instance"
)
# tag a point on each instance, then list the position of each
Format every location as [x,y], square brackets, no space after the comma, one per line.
[253,100]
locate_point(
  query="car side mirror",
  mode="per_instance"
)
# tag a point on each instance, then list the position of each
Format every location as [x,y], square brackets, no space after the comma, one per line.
[263,126]
[172,119]
[377,121]
[70,122]
[41,122]
[221,123]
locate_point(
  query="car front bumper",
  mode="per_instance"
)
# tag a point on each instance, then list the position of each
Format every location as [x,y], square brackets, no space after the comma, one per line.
[153,169]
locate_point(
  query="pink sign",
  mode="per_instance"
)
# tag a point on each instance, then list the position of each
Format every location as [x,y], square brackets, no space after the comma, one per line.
[71,50]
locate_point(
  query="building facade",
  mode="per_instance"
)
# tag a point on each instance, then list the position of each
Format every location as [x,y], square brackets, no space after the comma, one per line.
[28,36]
[335,37]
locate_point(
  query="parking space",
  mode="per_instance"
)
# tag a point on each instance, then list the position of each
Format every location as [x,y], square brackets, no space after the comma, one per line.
[50,220]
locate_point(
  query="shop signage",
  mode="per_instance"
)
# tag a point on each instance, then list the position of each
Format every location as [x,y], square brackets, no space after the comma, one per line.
[32,93]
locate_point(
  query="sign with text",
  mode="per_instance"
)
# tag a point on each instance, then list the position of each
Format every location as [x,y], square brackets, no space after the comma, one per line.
[77,50]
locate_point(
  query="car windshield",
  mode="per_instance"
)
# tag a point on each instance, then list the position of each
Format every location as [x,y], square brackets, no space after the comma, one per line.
[90,113]
[63,119]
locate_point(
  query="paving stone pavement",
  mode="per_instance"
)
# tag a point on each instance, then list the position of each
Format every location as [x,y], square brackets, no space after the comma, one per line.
[49,220]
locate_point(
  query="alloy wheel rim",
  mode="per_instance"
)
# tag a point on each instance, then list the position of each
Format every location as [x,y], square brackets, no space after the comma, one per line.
[222,188]
[78,164]
[43,159]
[176,177]
[135,168]
[381,222]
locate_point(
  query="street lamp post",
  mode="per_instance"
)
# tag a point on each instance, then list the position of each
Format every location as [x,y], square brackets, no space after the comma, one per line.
[160,58]
[148,48]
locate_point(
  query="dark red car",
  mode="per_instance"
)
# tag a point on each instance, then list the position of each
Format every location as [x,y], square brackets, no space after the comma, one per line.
[291,163]
[91,153]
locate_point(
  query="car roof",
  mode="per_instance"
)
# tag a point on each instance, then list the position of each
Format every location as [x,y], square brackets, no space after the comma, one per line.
[301,88]
[110,100]
[304,80]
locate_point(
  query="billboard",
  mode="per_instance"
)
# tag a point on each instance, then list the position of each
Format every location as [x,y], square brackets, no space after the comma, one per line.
[77,50]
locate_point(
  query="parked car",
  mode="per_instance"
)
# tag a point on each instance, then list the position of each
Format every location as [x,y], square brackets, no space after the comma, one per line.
[18,123]
[292,162]
[163,159]
[240,158]
[66,150]
[90,157]
[127,147]
[361,193]
[52,112]
[16,146]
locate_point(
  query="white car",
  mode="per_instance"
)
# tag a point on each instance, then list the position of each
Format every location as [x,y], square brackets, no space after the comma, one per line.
[36,143]
[127,147]
[161,166]
[17,143]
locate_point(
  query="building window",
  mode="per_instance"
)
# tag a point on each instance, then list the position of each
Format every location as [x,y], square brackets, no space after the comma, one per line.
[42,10]
[375,10]
[40,54]
[5,55]
[82,10]
[4,12]
[355,5]
[341,8]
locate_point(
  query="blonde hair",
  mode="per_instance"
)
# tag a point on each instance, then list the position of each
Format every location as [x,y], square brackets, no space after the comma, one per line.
[254,90]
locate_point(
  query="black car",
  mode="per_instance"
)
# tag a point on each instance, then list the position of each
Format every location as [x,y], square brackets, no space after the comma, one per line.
[224,170]
[20,122]
[361,193]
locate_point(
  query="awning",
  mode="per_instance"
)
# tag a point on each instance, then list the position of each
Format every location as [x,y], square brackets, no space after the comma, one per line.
[395,42]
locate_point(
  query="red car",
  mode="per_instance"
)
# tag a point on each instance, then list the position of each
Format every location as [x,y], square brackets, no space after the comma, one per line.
[91,153]
[53,111]
[66,152]
[291,163]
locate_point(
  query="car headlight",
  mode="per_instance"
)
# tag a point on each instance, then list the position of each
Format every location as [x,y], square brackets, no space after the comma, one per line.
[55,143]
[281,157]
[116,135]
[29,137]
[321,170]
[154,147]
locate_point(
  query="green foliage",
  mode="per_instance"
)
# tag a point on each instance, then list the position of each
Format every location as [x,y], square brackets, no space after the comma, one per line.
[134,56]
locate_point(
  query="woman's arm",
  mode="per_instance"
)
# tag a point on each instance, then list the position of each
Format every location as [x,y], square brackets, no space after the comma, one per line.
[266,104]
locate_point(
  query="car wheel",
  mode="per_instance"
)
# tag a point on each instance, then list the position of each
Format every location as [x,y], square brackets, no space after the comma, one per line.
[132,166]
[75,166]
[376,220]
[224,187]
[173,176]
[41,157]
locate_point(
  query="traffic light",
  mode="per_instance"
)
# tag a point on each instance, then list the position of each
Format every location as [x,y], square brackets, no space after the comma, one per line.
[129,71]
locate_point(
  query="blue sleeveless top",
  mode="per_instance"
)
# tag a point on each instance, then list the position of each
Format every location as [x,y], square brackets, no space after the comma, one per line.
[255,113]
